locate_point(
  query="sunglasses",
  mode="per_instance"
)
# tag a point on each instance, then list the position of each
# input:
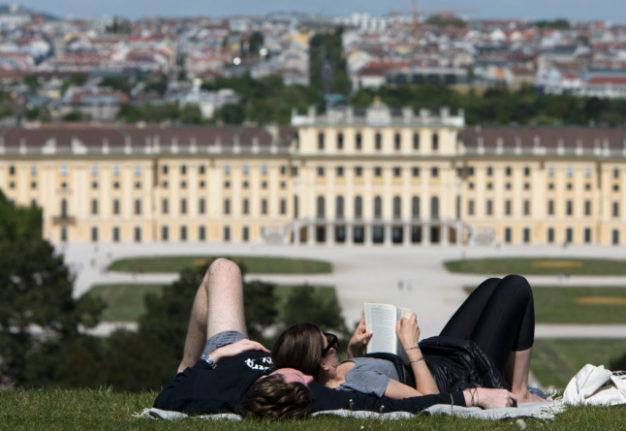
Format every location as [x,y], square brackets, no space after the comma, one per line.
[333,342]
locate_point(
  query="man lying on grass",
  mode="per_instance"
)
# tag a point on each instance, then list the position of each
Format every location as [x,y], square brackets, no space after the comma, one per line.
[220,364]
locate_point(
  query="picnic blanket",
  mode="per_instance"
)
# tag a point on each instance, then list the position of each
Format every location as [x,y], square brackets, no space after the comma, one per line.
[540,410]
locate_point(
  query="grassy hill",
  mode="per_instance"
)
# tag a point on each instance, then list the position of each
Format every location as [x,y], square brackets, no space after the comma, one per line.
[104,409]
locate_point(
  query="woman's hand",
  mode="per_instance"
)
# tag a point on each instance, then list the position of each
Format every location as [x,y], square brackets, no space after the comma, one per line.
[408,331]
[359,340]
[488,398]
[235,349]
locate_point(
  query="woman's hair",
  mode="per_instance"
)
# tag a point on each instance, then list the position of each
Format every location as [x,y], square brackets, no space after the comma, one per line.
[299,347]
[272,398]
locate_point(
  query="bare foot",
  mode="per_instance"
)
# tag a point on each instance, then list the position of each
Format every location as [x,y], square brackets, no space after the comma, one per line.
[529,397]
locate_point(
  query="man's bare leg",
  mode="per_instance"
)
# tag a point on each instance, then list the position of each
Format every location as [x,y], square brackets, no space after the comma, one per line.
[217,307]
[517,371]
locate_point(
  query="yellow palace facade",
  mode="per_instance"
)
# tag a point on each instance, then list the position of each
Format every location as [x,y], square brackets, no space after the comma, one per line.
[348,177]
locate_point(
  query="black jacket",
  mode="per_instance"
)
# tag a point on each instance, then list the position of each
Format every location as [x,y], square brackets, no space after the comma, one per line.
[455,364]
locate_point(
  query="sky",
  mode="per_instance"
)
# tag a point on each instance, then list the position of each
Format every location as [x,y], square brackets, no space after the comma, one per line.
[607,10]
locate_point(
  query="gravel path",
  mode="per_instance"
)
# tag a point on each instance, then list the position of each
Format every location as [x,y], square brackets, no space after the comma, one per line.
[413,277]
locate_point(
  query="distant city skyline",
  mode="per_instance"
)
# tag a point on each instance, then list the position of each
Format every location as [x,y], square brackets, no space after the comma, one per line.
[606,10]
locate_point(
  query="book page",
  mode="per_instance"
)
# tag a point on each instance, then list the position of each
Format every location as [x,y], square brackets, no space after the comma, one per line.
[381,320]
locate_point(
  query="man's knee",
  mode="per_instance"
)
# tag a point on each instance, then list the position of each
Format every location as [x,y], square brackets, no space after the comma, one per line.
[223,266]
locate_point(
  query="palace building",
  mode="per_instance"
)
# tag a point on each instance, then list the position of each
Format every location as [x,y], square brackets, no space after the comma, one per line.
[367,177]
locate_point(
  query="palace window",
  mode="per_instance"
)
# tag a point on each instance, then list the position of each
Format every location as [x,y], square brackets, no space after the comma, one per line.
[378,141]
[416,141]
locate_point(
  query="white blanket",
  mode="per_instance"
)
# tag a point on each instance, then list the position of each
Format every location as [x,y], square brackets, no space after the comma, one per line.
[596,386]
[542,410]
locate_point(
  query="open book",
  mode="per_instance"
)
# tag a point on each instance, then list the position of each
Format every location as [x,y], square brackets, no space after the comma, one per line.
[381,320]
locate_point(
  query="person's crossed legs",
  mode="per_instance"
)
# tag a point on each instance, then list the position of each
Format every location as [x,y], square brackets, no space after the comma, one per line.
[217,307]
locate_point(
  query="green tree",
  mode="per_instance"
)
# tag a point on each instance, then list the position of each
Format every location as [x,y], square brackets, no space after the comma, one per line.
[33,113]
[304,304]
[446,21]
[190,114]
[255,43]
[156,83]
[232,113]
[119,83]
[75,79]
[32,82]
[74,116]
[18,223]
[36,300]
[559,23]
[326,53]
[260,308]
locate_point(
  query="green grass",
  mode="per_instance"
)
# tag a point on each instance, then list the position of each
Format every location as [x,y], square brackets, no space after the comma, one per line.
[538,266]
[556,361]
[125,302]
[557,304]
[52,410]
[554,304]
[252,264]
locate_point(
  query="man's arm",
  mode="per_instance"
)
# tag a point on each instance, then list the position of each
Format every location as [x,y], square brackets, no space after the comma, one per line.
[235,348]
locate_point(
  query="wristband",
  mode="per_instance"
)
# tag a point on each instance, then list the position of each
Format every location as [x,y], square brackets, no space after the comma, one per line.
[417,346]
[210,362]
[421,358]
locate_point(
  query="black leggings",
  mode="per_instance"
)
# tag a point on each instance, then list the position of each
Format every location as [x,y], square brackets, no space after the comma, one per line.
[499,316]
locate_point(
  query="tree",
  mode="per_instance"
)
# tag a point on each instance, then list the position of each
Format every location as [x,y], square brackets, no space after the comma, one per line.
[232,113]
[255,43]
[77,79]
[121,83]
[259,307]
[559,23]
[18,223]
[305,304]
[74,116]
[156,83]
[36,305]
[32,82]
[442,20]
[190,114]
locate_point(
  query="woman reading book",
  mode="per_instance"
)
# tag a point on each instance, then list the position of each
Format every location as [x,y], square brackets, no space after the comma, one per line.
[486,343]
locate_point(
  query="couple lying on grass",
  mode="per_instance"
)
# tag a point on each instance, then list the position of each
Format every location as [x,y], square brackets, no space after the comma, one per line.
[481,358]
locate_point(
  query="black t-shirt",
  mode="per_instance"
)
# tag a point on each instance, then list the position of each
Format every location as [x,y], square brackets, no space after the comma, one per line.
[203,390]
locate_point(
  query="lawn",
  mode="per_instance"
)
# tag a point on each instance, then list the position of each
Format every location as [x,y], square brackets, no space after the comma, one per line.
[103,409]
[252,264]
[557,304]
[124,302]
[538,266]
[556,361]
[554,304]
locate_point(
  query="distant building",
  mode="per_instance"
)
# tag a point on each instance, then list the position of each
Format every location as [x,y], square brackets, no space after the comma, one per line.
[370,177]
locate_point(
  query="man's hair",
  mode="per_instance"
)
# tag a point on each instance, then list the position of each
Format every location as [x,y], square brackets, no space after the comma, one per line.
[299,347]
[272,398]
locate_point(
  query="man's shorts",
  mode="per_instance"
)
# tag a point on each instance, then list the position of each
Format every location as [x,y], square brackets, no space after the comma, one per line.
[221,339]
